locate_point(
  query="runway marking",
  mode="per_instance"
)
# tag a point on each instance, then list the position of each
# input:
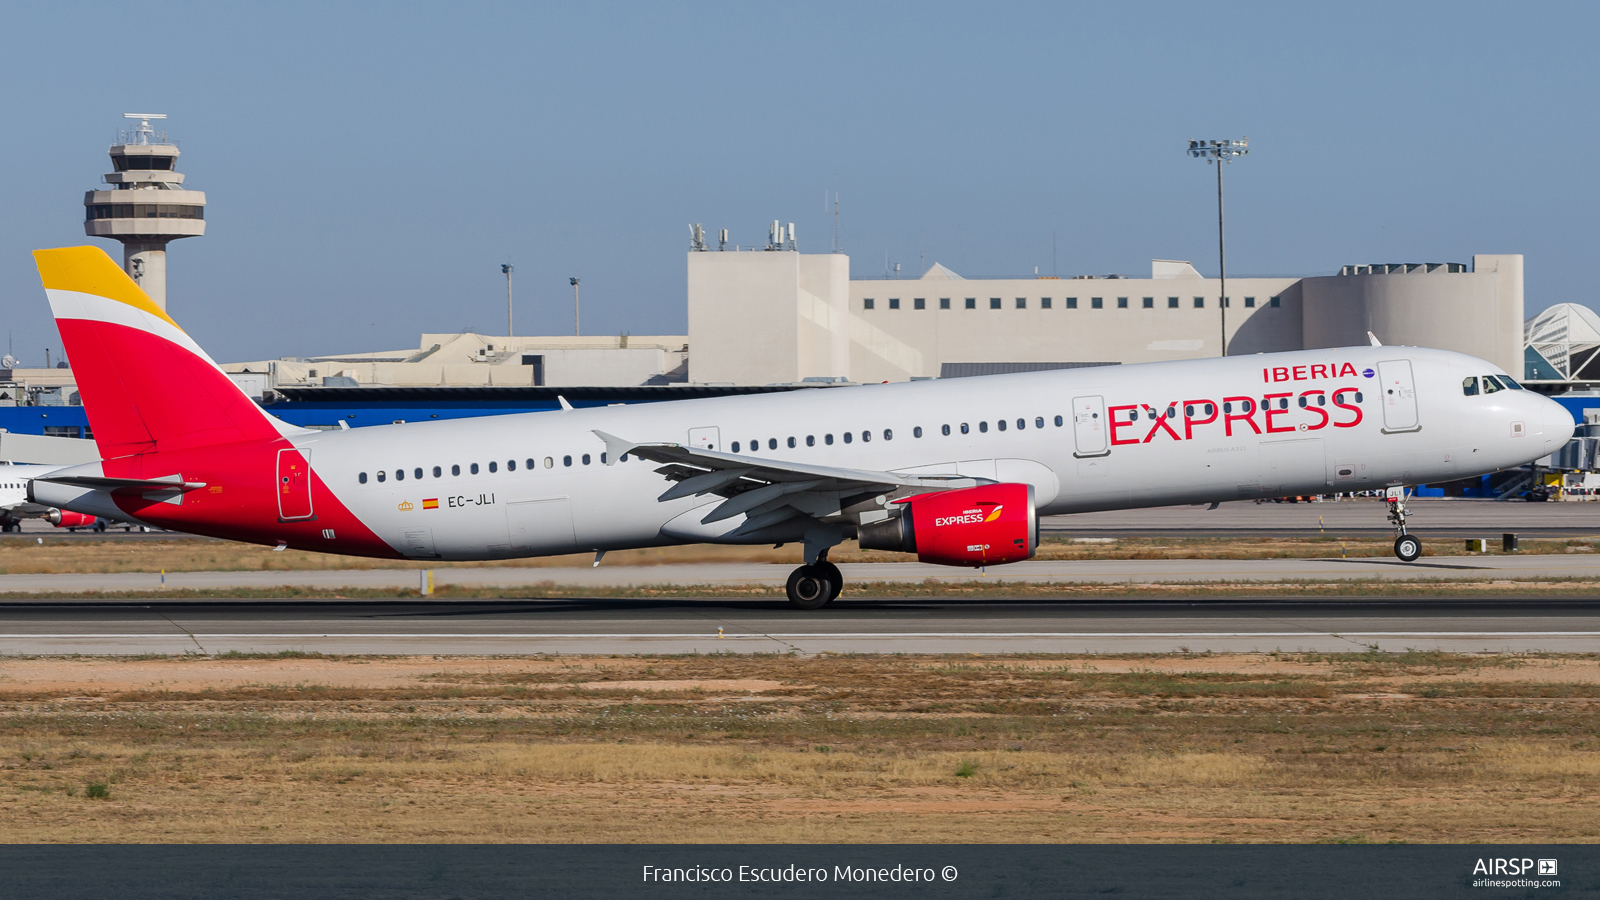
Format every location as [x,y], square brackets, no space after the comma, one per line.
[824,634]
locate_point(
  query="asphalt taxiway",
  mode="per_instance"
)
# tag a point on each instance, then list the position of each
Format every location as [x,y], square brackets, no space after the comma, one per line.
[1584,566]
[849,626]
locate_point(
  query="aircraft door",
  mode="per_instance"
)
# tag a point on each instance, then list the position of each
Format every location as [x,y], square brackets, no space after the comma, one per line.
[541,526]
[1090,427]
[1399,396]
[705,438]
[294,485]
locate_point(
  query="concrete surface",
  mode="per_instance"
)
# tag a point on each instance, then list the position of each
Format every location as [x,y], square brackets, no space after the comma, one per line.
[869,626]
[1463,568]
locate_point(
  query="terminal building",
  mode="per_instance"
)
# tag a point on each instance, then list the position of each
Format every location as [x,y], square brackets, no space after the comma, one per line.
[783,316]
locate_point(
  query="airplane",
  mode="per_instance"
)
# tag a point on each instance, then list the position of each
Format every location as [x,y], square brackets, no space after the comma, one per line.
[956,471]
[15,505]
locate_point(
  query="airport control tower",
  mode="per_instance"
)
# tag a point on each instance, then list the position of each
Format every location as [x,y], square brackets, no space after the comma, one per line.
[146,206]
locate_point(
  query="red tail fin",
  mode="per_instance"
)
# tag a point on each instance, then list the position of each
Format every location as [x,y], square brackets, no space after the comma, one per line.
[146,385]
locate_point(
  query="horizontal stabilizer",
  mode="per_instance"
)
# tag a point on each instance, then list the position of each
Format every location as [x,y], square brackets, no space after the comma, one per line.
[125,485]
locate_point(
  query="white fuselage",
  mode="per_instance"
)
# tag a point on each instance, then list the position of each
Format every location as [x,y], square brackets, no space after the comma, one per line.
[549,491]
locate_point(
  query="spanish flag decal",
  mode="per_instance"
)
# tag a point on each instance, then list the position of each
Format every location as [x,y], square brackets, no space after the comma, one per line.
[431,504]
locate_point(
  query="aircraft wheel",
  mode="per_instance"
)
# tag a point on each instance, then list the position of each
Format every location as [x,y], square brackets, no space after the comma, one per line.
[809,587]
[834,576]
[1407,548]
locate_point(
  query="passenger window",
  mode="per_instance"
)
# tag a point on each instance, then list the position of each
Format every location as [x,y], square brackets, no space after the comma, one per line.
[1188,409]
[755,445]
[494,467]
[736,446]
[1283,402]
[1038,422]
[586,459]
[362,478]
[399,474]
[602,459]
[791,443]
[511,465]
[944,430]
[848,437]
[1021,424]
[438,472]
[1001,424]
[1227,407]
[827,439]
[772,443]
[455,470]
[473,468]
[983,427]
[566,460]
[417,474]
[381,476]
[916,432]
[530,465]
[1210,410]
[811,440]
[964,428]
[866,436]
[1322,400]
[1302,402]
[549,462]
[1172,412]
[888,434]
[1059,420]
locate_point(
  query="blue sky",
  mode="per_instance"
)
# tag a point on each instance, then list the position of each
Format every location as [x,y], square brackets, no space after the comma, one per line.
[369,166]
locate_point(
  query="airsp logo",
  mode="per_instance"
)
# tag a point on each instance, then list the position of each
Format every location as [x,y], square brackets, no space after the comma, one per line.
[1547,867]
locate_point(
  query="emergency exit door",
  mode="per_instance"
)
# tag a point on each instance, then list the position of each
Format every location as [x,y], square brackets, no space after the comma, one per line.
[294,485]
[1089,427]
[705,438]
[1399,396]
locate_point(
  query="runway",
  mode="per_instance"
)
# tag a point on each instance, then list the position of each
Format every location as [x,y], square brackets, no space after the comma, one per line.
[1092,571]
[865,626]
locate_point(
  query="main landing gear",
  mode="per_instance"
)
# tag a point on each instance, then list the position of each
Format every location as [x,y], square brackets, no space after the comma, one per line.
[1406,546]
[816,585]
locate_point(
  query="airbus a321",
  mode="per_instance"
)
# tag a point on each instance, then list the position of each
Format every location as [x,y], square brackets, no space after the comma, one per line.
[957,472]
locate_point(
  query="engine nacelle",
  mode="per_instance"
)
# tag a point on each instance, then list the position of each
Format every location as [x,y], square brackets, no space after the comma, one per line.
[66,518]
[979,526]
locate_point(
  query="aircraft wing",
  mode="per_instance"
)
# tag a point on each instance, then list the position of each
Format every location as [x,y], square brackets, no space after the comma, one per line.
[26,510]
[769,491]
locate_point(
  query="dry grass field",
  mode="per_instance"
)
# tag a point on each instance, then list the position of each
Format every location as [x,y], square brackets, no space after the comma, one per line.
[1355,748]
[26,555]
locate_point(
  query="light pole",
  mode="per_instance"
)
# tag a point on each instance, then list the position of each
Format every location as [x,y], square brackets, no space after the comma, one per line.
[510,323]
[1217,153]
[576,330]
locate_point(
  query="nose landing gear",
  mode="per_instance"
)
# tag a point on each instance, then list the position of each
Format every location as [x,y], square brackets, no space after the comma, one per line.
[1407,547]
[816,585]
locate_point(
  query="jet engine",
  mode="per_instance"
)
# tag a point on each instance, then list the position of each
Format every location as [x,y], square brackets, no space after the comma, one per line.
[66,518]
[979,526]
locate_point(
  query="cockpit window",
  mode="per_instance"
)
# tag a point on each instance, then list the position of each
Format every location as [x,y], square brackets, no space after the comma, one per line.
[1491,384]
[1469,386]
[1506,380]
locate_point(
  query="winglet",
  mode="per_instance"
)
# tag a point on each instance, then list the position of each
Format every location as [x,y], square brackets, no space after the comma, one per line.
[1374,339]
[616,447]
[565,406]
